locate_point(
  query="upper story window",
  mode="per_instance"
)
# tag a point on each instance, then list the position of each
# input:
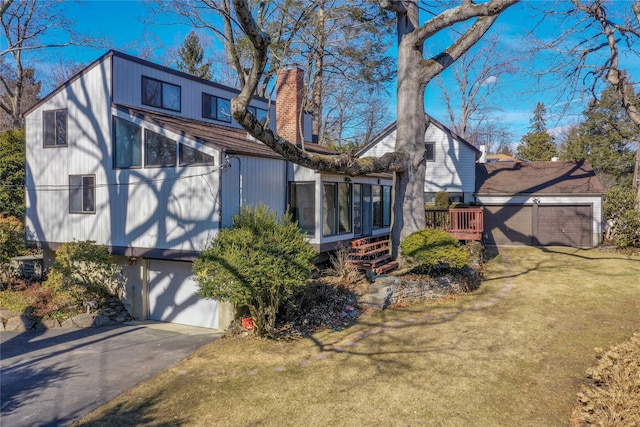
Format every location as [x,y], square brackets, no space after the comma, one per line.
[127,144]
[216,108]
[430,151]
[160,94]
[82,194]
[54,125]
[191,157]
[260,113]
[159,150]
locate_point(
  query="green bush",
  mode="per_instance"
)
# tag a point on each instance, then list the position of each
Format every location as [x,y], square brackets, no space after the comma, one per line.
[629,230]
[12,242]
[83,271]
[442,200]
[434,249]
[259,263]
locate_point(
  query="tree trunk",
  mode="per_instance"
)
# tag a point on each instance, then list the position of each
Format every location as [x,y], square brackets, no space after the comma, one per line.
[408,184]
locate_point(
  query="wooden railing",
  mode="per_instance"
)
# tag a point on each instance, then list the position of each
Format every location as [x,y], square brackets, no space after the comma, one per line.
[461,223]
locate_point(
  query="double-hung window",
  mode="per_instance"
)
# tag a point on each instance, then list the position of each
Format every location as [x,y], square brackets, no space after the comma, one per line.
[430,151]
[82,194]
[157,93]
[216,108]
[54,125]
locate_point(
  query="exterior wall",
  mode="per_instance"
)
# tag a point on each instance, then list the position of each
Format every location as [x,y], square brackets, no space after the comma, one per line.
[453,169]
[251,181]
[127,89]
[595,201]
[301,174]
[175,208]
[88,105]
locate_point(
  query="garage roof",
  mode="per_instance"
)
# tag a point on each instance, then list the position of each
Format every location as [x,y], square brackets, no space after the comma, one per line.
[537,178]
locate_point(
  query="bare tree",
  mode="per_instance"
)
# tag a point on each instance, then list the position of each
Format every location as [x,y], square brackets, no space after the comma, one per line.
[589,53]
[476,82]
[23,23]
[414,73]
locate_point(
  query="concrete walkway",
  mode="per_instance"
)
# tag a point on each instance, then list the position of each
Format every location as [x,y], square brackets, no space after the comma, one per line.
[53,377]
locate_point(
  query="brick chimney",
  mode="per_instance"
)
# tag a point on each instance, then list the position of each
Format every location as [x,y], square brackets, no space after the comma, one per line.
[289,96]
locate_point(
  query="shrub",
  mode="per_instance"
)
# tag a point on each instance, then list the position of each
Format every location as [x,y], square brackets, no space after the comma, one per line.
[442,200]
[343,267]
[434,249]
[83,271]
[259,263]
[629,230]
[12,242]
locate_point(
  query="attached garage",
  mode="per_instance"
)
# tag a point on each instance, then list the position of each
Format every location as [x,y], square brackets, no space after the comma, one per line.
[540,203]
[172,296]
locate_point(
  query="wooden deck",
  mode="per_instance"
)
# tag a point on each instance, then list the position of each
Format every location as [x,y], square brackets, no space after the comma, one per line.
[461,223]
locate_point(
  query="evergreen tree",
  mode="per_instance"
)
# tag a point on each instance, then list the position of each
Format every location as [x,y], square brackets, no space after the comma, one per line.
[12,174]
[191,58]
[537,145]
[605,138]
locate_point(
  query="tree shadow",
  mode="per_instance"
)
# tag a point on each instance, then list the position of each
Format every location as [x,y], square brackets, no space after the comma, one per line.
[133,413]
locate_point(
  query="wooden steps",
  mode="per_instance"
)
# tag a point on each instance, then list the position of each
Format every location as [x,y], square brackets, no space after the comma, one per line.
[372,253]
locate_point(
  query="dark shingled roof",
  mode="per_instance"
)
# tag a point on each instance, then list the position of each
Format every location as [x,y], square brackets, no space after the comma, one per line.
[224,138]
[543,178]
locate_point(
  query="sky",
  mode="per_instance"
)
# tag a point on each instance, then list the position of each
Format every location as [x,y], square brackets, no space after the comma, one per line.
[130,27]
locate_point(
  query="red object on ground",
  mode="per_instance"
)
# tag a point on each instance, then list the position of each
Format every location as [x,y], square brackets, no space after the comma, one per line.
[247,323]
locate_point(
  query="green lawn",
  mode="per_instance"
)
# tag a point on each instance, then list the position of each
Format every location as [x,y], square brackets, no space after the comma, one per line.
[512,353]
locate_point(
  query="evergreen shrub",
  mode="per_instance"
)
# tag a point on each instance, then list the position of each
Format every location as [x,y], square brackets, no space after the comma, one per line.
[259,263]
[434,250]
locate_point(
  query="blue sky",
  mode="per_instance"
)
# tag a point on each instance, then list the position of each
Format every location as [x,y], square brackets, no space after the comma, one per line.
[128,26]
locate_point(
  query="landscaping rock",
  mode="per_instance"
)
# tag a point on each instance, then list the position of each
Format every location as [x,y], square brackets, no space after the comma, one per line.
[101,320]
[68,324]
[19,323]
[51,324]
[6,314]
[84,320]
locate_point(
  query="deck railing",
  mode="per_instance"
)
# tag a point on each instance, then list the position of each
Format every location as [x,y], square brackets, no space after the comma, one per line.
[461,223]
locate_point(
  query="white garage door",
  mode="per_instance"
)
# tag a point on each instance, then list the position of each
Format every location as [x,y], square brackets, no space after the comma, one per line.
[172,296]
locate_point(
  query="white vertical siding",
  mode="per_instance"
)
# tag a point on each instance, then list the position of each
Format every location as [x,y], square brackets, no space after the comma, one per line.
[127,90]
[251,181]
[165,208]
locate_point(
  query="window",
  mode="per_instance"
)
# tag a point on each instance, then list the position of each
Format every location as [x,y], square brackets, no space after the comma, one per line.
[82,192]
[160,94]
[191,157]
[430,197]
[302,201]
[54,126]
[159,150]
[216,108]
[430,151]
[260,114]
[127,144]
[381,206]
[336,200]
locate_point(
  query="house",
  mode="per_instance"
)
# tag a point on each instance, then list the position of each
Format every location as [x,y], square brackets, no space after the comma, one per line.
[450,160]
[540,203]
[525,203]
[149,162]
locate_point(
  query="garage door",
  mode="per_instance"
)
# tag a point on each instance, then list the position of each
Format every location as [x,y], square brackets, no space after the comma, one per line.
[172,296]
[508,225]
[565,226]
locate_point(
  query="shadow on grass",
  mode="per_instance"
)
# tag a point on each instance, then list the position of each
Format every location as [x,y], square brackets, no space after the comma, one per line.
[140,412]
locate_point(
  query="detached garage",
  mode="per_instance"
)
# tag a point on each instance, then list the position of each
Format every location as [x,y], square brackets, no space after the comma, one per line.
[540,203]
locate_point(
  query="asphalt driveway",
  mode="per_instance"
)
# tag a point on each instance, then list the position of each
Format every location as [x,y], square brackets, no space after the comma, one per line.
[53,377]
